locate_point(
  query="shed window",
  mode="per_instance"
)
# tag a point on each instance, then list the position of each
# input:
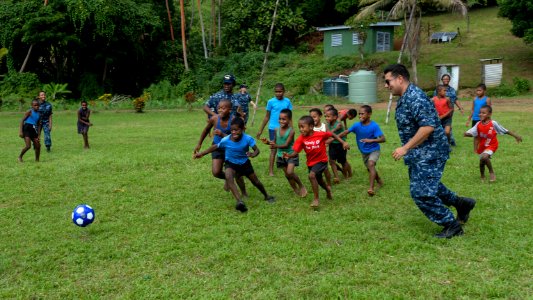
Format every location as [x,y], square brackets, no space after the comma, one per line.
[336,40]
[355,39]
[383,41]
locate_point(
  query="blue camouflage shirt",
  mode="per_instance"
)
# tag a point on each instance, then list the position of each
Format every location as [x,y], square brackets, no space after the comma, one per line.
[45,110]
[213,101]
[415,110]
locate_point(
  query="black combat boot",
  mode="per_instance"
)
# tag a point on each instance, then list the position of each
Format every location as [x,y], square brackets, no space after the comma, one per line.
[450,230]
[464,206]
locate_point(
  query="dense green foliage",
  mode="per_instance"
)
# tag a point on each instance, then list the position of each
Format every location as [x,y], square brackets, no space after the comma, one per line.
[519,12]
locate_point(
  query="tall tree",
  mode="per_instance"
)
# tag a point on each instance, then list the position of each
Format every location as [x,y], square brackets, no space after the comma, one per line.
[183,37]
[202,27]
[519,12]
[23,67]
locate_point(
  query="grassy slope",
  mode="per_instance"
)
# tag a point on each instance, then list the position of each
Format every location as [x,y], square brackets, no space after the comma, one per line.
[488,37]
[165,228]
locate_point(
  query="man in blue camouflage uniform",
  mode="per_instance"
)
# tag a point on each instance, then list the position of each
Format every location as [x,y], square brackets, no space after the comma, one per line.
[211,105]
[244,101]
[425,151]
[45,110]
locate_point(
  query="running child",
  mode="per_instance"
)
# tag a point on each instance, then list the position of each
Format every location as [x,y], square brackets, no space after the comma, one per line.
[316,114]
[336,152]
[29,130]
[273,109]
[83,123]
[444,108]
[486,142]
[314,144]
[237,163]
[283,142]
[344,114]
[480,100]
[368,135]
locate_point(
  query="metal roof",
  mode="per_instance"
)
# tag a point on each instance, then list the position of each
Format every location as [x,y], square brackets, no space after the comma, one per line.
[443,36]
[340,27]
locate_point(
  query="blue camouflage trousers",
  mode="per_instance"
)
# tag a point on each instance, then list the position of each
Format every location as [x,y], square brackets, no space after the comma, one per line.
[429,194]
[47,137]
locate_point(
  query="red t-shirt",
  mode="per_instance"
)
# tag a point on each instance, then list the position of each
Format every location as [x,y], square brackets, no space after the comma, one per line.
[487,137]
[441,104]
[314,146]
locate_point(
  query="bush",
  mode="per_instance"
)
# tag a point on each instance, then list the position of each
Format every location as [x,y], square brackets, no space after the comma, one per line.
[504,90]
[521,85]
[24,84]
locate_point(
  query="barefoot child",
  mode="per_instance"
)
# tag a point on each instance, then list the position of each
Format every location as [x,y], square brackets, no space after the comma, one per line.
[336,152]
[314,144]
[221,123]
[273,108]
[29,130]
[83,123]
[486,142]
[283,142]
[480,100]
[368,136]
[237,162]
[444,108]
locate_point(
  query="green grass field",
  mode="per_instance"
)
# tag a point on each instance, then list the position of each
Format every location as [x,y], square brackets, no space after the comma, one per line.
[165,228]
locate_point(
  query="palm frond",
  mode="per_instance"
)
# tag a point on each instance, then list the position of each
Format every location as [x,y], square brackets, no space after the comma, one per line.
[371,9]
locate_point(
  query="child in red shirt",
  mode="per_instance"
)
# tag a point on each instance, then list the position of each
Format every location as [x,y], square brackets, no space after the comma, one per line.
[314,145]
[486,142]
[444,109]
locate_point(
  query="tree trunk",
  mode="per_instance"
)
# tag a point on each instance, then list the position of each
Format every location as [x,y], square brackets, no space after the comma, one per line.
[23,67]
[265,60]
[170,21]
[213,24]
[219,23]
[183,40]
[202,27]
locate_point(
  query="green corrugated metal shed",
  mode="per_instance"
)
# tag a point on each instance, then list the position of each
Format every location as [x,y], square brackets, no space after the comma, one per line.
[343,40]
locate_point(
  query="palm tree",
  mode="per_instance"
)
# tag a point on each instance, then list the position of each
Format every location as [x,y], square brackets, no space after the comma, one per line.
[404,8]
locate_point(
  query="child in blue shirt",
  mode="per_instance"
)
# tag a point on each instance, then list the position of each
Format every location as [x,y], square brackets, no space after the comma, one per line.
[368,135]
[29,130]
[237,162]
[273,109]
[244,99]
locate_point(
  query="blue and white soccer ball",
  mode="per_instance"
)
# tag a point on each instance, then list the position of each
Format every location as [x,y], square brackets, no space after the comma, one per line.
[83,215]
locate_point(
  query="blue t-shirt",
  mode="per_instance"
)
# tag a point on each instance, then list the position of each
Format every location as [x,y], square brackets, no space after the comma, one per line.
[236,151]
[370,131]
[33,118]
[275,106]
[478,103]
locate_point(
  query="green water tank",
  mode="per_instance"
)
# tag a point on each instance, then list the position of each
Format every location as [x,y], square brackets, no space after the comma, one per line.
[337,87]
[362,87]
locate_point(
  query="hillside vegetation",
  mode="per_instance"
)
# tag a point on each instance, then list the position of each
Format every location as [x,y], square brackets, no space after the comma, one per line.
[487,36]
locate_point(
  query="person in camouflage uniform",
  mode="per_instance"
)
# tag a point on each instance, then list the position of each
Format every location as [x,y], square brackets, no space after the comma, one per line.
[425,151]
[45,110]
[211,105]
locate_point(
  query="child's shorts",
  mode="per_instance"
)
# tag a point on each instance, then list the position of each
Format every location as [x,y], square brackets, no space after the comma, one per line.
[337,153]
[245,169]
[218,154]
[282,162]
[446,122]
[318,168]
[487,151]
[373,156]
[474,123]
[271,134]
[29,130]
